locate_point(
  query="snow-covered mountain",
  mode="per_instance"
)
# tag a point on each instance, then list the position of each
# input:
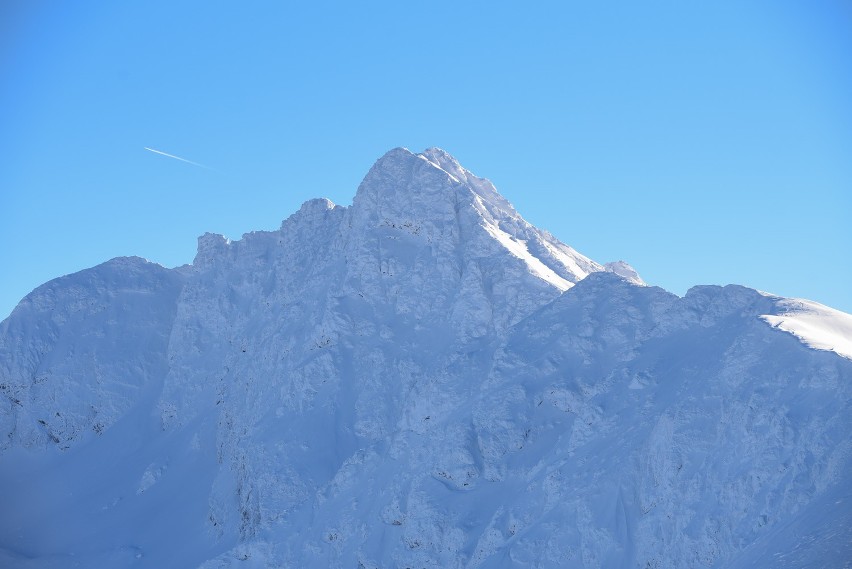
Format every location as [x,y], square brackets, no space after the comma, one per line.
[422,379]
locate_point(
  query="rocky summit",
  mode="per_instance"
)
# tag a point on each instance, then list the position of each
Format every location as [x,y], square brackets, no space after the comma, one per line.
[419,380]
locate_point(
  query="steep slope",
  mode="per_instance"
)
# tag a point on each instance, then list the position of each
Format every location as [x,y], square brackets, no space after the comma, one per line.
[422,379]
[818,326]
[71,345]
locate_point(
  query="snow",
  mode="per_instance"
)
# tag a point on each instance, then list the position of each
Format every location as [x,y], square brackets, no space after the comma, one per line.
[625,271]
[818,326]
[519,249]
[422,379]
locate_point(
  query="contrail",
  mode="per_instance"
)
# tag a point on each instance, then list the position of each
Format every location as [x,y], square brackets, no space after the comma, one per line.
[177,157]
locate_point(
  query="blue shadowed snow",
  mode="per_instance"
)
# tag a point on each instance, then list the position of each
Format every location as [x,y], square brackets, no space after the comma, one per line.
[422,379]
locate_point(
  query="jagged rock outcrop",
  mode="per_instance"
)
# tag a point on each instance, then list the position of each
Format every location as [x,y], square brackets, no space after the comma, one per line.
[421,379]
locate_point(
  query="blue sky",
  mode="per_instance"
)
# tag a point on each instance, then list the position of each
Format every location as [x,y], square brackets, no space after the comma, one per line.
[704,143]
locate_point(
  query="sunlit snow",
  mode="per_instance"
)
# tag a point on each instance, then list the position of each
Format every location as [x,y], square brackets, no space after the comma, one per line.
[425,380]
[817,325]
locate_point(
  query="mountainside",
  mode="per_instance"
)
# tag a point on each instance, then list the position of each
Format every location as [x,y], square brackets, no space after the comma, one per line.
[422,379]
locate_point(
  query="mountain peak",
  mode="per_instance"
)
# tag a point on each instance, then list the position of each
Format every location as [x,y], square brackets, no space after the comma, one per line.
[434,173]
[401,159]
[395,154]
[425,348]
[445,161]
[403,184]
[435,193]
[625,271]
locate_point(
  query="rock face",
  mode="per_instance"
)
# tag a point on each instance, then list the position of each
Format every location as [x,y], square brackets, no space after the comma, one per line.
[422,379]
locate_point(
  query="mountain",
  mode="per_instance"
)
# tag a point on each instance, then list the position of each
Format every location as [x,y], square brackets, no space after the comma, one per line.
[422,379]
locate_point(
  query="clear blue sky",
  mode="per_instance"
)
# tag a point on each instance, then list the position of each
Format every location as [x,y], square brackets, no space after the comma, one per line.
[703,142]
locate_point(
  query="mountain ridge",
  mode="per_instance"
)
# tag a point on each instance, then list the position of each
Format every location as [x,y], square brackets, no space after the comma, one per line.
[401,382]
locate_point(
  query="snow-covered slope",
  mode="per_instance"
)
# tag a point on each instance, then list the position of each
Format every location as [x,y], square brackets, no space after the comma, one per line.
[818,326]
[422,379]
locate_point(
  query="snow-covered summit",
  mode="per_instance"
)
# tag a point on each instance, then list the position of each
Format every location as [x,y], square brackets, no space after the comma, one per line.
[625,271]
[819,326]
[422,379]
[426,184]
[438,205]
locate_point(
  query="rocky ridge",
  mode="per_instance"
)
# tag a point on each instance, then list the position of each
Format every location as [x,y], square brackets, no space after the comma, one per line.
[422,379]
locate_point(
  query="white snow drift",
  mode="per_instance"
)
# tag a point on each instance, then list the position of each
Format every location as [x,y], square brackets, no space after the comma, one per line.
[817,325]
